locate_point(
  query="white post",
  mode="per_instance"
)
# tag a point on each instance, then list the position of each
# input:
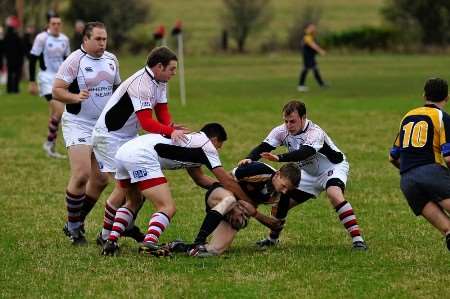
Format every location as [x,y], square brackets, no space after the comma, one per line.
[181,68]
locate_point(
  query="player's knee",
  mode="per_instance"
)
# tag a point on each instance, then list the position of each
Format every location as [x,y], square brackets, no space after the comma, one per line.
[225,204]
[80,177]
[101,180]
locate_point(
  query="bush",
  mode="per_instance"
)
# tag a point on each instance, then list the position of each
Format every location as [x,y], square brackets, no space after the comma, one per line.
[140,39]
[367,38]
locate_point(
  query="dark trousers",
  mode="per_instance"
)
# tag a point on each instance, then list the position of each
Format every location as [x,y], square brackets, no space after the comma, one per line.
[316,72]
[13,79]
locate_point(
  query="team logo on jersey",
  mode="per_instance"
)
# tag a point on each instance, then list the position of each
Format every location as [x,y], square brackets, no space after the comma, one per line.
[88,69]
[146,104]
[50,45]
[82,140]
[137,174]
[111,66]
[100,165]
[330,172]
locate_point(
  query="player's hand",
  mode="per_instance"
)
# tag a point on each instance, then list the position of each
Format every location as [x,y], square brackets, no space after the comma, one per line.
[32,88]
[244,162]
[178,136]
[270,156]
[181,127]
[322,52]
[83,95]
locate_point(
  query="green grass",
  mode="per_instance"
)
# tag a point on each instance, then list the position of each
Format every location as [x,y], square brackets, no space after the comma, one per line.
[361,112]
[202,24]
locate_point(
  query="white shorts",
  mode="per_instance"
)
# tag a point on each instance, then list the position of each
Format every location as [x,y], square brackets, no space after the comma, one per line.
[316,184]
[137,166]
[105,148]
[74,132]
[45,80]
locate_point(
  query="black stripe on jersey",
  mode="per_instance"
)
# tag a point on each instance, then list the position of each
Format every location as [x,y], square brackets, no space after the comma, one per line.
[335,157]
[446,124]
[183,154]
[252,170]
[118,115]
[74,88]
[42,65]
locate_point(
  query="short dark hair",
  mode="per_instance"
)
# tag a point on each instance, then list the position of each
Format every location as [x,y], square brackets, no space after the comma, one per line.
[292,172]
[436,89]
[161,55]
[215,130]
[89,27]
[52,14]
[293,106]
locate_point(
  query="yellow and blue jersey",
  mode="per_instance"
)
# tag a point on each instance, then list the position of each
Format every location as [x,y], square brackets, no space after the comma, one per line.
[423,138]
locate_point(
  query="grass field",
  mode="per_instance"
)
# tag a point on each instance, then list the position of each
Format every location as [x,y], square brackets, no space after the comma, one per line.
[203,26]
[361,111]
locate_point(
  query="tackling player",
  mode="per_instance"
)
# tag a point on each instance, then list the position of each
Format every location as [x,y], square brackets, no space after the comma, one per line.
[84,82]
[129,109]
[421,152]
[139,164]
[324,168]
[50,47]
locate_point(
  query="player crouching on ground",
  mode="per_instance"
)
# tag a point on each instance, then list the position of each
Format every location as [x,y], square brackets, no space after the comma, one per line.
[225,215]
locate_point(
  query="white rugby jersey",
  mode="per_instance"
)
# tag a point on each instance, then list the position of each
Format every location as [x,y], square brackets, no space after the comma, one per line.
[52,50]
[97,74]
[313,136]
[140,91]
[196,151]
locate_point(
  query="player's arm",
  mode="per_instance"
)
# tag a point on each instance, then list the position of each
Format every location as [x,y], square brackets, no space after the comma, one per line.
[394,154]
[255,154]
[230,184]
[32,87]
[309,40]
[199,178]
[153,126]
[60,92]
[304,152]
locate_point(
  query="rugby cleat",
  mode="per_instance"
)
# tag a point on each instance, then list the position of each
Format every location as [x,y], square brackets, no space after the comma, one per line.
[77,238]
[359,246]
[66,229]
[149,248]
[110,248]
[100,241]
[200,251]
[49,149]
[266,243]
[178,246]
[134,233]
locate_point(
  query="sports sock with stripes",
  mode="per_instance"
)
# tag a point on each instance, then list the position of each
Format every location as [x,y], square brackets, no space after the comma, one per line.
[108,220]
[74,204]
[123,218]
[348,219]
[157,224]
[53,124]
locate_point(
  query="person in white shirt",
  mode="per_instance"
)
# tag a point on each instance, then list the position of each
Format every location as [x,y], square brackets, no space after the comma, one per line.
[324,168]
[50,48]
[84,82]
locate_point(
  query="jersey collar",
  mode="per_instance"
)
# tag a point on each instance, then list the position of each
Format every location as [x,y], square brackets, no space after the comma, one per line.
[90,56]
[151,75]
[304,130]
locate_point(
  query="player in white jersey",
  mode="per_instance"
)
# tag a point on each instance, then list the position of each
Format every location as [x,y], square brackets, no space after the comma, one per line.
[50,47]
[139,163]
[129,109]
[324,168]
[84,82]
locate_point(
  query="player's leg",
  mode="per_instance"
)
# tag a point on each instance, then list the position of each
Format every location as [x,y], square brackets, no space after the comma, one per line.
[318,76]
[115,200]
[221,239]
[94,188]
[80,166]
[219,201]
[56,110]
[157,191]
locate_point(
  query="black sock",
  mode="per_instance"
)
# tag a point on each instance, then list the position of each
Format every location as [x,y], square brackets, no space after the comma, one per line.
[88,204]
[211,221]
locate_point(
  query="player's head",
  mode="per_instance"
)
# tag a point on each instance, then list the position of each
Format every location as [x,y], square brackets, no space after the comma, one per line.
[287,177]
[310,28]
[294,115]
[216,133]
[79,26]
[54,24]
[436,90]
[163,63]
[94,38]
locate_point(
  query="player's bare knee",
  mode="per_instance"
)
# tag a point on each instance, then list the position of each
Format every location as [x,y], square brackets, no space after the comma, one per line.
[225,205]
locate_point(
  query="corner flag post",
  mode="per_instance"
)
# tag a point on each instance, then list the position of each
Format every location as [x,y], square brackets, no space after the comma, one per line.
[177,32]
